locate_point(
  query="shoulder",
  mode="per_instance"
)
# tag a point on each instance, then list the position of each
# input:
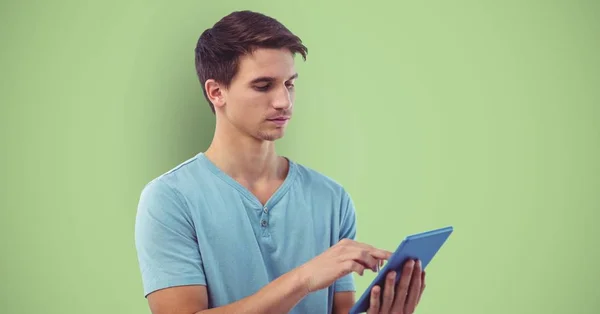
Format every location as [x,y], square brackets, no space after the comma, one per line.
[178,177]
[183,178]
[321,184]
[311,177]
[168,191]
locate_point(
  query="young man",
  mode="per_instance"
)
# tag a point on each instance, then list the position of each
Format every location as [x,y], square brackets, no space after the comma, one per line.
[240,229]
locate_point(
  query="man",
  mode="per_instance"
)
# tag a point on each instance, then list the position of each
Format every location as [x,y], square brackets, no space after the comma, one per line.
[240,229]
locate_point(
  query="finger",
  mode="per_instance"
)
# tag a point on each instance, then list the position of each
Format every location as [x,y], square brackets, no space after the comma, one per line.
[388,292]
[382,254]
[375,252]
[415,288]
[403,286]
[352,266]
[374,302]
[362,257]
[379,264]
[422,287]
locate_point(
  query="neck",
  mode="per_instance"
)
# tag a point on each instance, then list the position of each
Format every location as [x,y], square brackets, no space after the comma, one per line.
[245,158]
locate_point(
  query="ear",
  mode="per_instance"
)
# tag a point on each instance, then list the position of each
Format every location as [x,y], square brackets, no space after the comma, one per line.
[215,93]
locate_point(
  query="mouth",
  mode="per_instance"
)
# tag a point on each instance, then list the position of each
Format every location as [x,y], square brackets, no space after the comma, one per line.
[280,121]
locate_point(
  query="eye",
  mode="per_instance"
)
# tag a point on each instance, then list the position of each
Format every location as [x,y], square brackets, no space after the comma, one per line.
[262,88]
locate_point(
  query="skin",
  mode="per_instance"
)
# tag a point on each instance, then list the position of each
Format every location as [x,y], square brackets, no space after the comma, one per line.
[243,147]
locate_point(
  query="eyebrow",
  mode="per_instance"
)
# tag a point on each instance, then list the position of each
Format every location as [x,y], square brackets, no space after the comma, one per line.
[270,79]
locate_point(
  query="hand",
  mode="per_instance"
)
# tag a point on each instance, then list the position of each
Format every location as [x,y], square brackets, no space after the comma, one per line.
[405,296]
[341,259]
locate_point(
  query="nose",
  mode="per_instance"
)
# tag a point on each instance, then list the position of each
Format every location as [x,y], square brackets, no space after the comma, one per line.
[283,98]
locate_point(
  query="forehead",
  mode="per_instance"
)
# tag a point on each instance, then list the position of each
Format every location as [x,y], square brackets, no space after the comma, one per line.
[277,63]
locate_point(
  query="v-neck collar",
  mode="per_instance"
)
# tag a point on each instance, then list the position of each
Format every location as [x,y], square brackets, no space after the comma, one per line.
[279,193]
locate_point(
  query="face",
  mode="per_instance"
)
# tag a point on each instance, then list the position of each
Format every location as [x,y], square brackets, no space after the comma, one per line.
[259,100]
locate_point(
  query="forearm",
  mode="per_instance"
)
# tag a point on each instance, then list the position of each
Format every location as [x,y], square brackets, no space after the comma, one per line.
[279,296]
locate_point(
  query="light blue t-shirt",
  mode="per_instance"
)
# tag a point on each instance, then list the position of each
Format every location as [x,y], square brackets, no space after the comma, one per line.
[196,225]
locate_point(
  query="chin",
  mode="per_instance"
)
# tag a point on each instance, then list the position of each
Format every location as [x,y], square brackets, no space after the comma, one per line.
[270,136]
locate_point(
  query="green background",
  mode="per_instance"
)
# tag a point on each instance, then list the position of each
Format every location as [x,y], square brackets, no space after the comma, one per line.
[478,114]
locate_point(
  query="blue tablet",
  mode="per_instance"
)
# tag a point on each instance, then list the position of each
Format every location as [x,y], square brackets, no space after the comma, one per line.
[422,246]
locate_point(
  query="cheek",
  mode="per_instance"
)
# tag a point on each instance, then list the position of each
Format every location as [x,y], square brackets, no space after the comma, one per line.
[249,105]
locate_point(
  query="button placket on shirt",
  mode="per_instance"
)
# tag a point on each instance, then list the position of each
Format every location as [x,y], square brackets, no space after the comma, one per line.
[264,221]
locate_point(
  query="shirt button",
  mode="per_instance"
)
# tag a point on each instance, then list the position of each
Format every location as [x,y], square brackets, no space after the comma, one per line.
[263,223]
[265,209]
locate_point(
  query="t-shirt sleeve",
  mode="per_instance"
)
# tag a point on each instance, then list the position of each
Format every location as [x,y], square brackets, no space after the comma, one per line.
[167,249]
[347,230]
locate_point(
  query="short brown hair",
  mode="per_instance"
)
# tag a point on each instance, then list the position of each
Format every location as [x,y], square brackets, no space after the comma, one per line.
[219,48]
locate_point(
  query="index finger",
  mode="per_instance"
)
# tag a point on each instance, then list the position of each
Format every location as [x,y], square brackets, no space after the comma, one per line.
[382,254]
[373,251]
[379,254]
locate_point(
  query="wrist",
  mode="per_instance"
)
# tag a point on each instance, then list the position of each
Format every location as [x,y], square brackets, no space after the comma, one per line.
[303,280]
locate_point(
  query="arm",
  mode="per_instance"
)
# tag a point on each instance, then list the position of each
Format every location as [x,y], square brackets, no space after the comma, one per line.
[279,296]
[344,297]
[168,255]
[171,263]
[343,302]
[173,277]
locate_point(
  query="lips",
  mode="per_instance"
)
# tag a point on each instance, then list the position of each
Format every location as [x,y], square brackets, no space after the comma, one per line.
[279,120]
